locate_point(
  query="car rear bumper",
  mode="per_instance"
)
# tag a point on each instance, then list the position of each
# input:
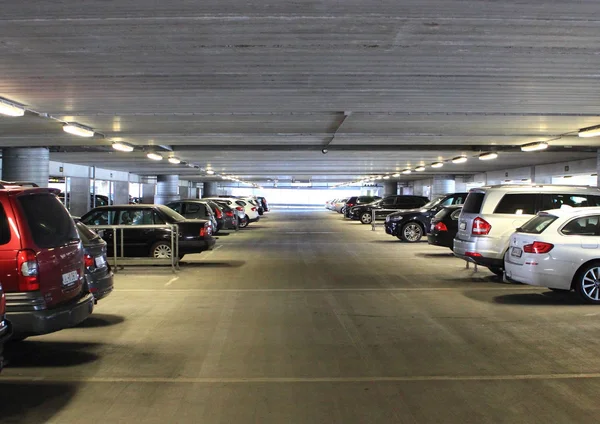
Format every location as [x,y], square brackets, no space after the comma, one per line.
[254,219]
[44,321]
[196,246]
[440,240]
[482,251]
[101,286]
[535,272]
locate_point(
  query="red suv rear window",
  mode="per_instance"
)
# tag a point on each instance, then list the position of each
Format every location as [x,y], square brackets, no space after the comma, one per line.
[4,228]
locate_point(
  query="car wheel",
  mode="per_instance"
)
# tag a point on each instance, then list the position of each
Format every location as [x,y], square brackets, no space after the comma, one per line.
[498,271]
[244,222]
[587,283]
[411,232]
[161,250]
[366,218]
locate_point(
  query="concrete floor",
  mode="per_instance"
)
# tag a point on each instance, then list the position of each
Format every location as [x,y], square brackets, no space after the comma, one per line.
[306,318]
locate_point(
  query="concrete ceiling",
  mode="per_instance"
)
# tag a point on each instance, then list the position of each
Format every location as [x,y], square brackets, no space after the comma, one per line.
[257,89]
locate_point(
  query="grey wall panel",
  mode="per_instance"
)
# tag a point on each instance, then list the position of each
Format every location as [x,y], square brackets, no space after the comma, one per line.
[121,196]
[79,197]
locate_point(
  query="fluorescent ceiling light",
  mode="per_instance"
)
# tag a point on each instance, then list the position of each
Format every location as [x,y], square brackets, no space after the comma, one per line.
[78,130]
[420,168]
[174,160]
[379,177]
[154,156]
[590,131]
[532,147]
[210,171]
[437,164]
[459,159]
[11,109]
[122,147]
[406,171]
[488,156]
[387,177]
[396,175]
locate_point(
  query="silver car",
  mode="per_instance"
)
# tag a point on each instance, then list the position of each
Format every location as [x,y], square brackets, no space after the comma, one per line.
[558,249]
[491,214]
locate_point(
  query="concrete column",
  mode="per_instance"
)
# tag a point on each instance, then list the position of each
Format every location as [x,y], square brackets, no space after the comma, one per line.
[210,189]
[26,164]
[121,195]
[148,192]
[79,196]
[167,189]
[598,167]
[442,184]
[390,188]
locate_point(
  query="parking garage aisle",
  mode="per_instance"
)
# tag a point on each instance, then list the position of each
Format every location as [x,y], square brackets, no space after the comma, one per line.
[306,318]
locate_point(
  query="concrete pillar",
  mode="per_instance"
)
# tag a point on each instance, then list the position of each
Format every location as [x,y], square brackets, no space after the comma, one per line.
[442,184]
[148,192]
[121,195]
[598,167]
[79,196]
[26,164]
[167,189]
[210,189]
[390,188]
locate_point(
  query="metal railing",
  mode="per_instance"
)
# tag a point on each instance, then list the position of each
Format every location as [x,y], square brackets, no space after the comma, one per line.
[381,218]
[121,260]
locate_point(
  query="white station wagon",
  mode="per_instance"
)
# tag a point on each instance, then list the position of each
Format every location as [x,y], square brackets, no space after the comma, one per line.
[558,249]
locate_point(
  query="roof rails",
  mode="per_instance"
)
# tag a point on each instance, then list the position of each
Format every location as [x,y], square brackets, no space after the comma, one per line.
[9,184]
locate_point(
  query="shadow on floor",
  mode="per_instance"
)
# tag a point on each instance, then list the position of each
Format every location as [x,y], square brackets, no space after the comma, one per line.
[448,254]
[44,354]
[544,298]
[386,241]
[478,278]
[24,402]
[101,320]
[212,264]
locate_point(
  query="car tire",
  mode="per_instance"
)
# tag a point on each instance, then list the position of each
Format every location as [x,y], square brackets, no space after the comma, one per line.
[161,250]
[244,222]
[589,275]
[498,271]
[366,218]
[411,232]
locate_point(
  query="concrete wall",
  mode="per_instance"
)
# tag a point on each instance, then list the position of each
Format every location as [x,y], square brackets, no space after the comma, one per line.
[79,199]
[121,195]
[148,193]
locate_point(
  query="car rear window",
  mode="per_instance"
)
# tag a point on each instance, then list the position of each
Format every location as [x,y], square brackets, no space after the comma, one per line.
[48,220]
[4,228]
[517,204]
[537,224]
[474,202]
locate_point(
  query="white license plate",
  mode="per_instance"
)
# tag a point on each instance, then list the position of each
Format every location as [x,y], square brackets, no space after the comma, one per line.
[516,252]
[463,225]
[100,261]
[69,278]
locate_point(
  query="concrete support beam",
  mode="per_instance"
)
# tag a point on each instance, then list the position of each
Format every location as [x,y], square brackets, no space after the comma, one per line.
[390,188]
[442,184]
[79,196]
[210,189]
[26,164]
[121,195]
[148,192]
[167,189]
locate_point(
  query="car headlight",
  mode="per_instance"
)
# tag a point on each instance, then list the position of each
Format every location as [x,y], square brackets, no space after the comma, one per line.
[394,218]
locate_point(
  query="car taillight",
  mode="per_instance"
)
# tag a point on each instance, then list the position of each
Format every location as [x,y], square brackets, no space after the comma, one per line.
[206,230]
[229,213]
[349,205]
[239,208]
[253,209]
[27,265]
[481,227]
[89,261]
[218,213]
[538,247]
[440,226]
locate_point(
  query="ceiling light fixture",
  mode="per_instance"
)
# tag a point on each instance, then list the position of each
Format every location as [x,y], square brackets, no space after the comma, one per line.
[420,168]
[459,159]
[11,109]
[396,175]
[437,164]
[406,171]
[210,171]
[154,156]
[78,130]
[590,131]
[532,147]
[174,160]
[488,156]
[387,177]
[379,177]
[122,147]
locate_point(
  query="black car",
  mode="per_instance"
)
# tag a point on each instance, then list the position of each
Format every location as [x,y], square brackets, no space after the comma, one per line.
[357,201]
[5,327]
[98,275]
[195,235]
[444,226]
[263,202]
[198,209]
[412,225]
[364,212]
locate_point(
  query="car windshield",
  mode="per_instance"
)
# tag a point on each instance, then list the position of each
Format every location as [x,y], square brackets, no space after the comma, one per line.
[433,202]
[171,213]
[537,224]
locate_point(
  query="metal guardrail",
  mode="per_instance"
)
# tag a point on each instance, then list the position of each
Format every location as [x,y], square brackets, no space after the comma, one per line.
[381,218]
[121,260]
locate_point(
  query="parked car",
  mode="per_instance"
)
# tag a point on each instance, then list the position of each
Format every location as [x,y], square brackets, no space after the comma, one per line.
[98,275]
[340,205]
[364,212]
[226,217]
[235,215]
[410,225]
[195,235]
[491,214]
[254,202]
[5,327]
[250,211]
[558,249]
[196,209]
[263,202]
[357,201]
[240,211]
[41,263]
[444,226]
[329,204]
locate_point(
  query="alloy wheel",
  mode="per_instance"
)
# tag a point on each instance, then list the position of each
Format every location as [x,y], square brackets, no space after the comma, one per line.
[162,251]
[366,218]
[412,232]
[590,284]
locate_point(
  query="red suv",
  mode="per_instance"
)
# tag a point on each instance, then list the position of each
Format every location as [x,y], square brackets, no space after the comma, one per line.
[41,262]
[5,330]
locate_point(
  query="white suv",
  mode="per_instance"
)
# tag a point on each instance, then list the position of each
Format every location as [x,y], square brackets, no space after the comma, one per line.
[491,214]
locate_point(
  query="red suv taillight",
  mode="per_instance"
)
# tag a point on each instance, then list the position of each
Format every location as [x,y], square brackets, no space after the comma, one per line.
[89,261]
[229,213]
[27,266]
[481,227]
[440,226]
[538,247]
